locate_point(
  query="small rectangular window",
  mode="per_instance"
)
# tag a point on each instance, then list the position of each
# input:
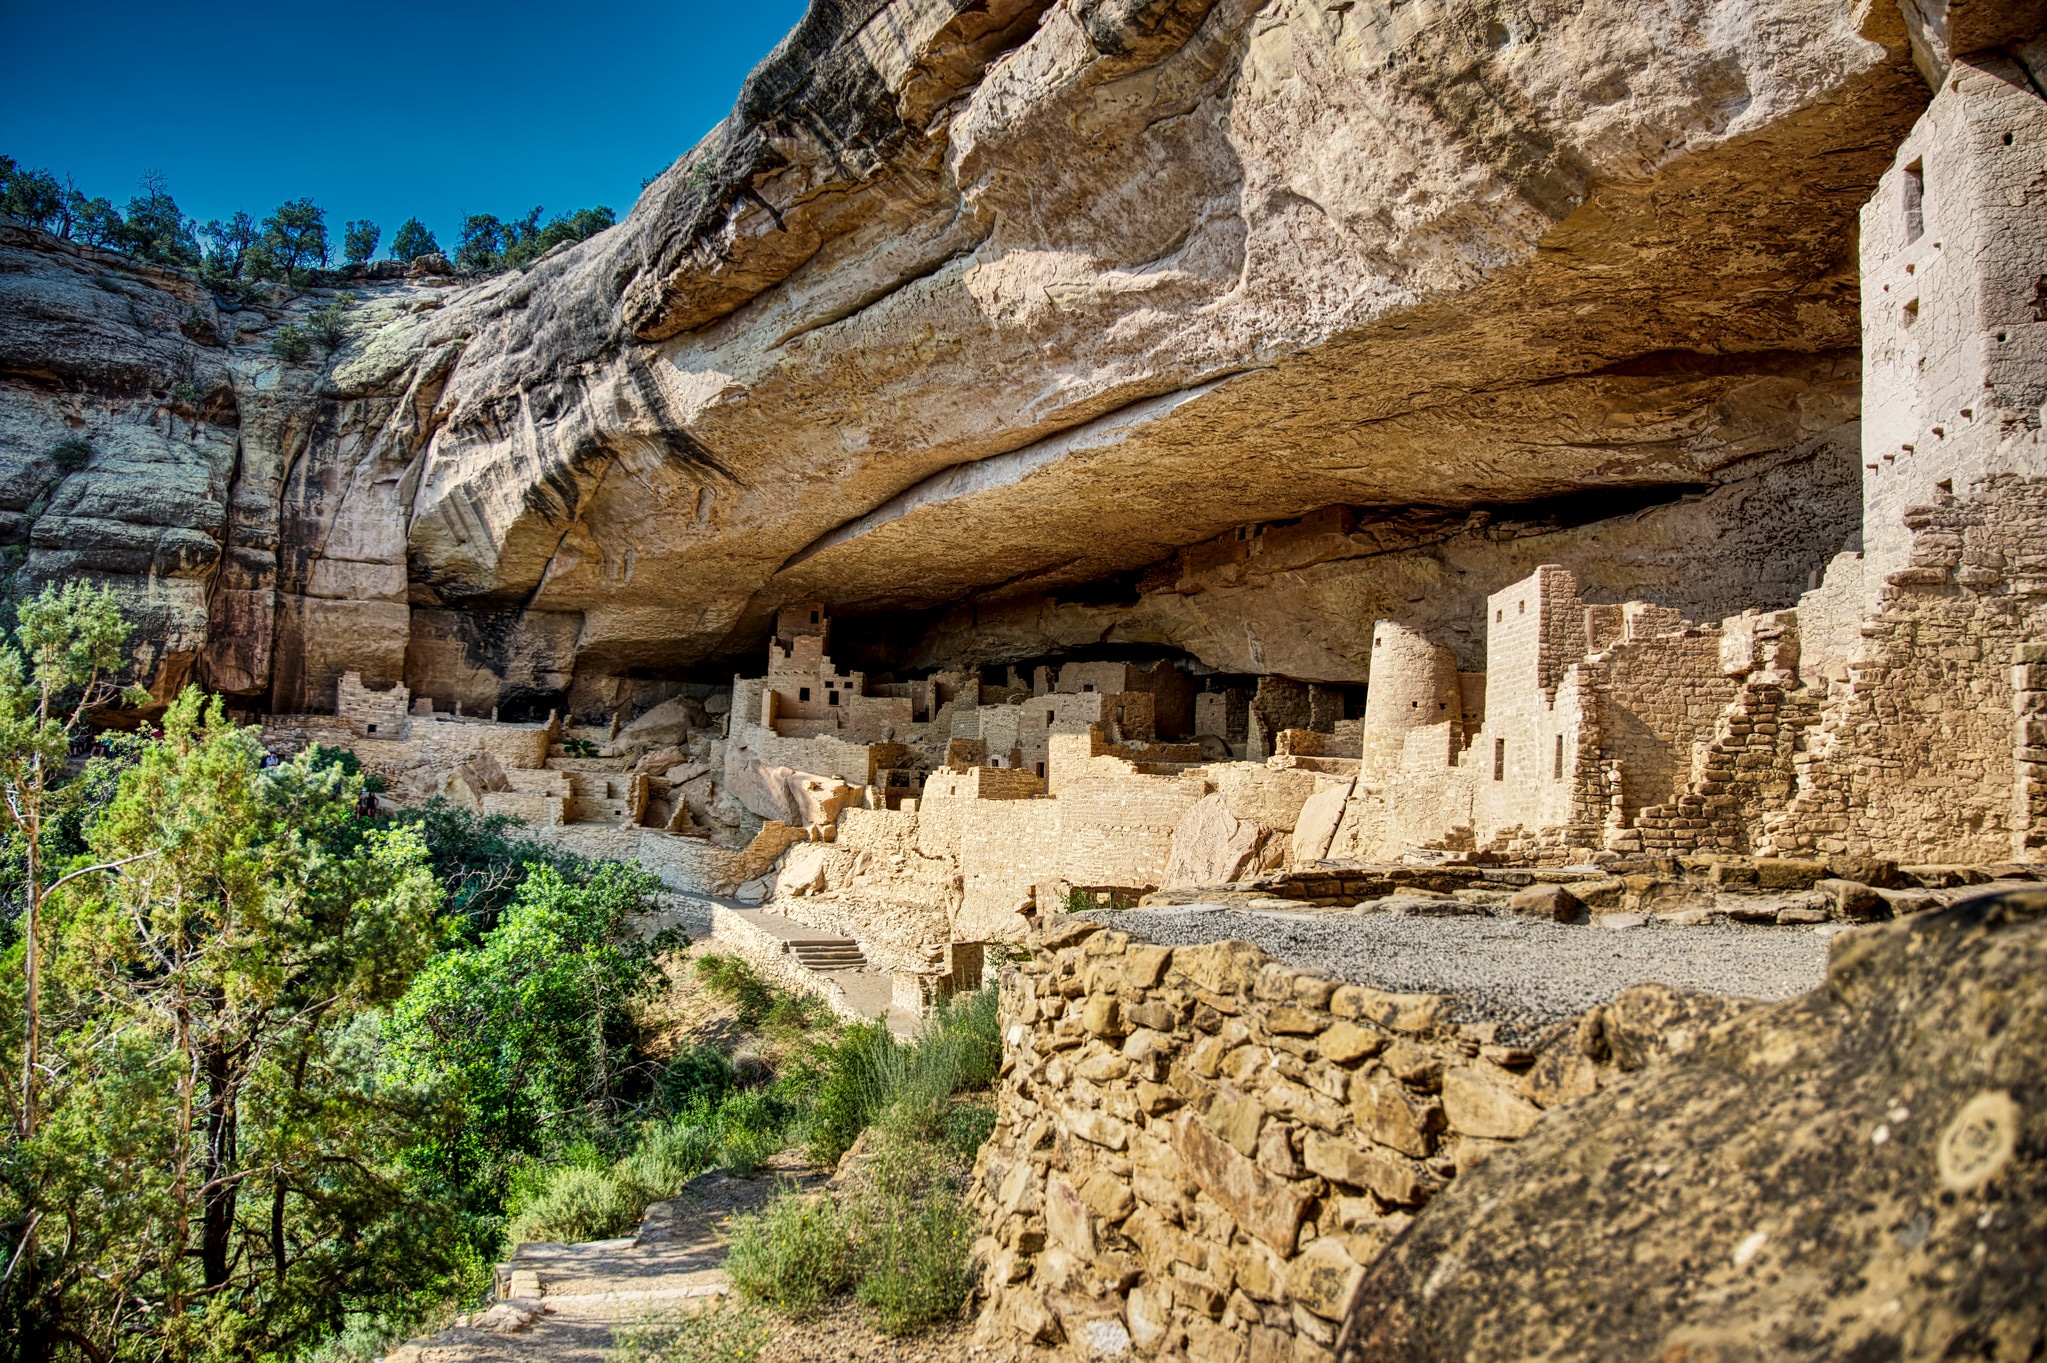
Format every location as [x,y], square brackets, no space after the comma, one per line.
[372,728]
[1560,758]
[803,693]
[1041,768]
[832,699]
[1915,201]
[813,617]
[1499,759]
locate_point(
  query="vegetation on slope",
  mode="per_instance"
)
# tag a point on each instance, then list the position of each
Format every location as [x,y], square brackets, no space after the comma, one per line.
[293,1078]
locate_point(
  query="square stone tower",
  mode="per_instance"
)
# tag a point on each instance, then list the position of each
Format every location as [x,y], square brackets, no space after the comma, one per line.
[1954,303]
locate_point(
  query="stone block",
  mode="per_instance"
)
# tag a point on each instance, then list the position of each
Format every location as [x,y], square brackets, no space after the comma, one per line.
[1414,1066]
[1096,1128]
[1029,1318]
[1260,1273]
[1068,1219]
[1290,1021]
[1601,892]
[1292,1100]
[1208,1342]
[1271,1346]
[1264,1206]
[1877,872]
[1410,1013]
[1390,1179]
[1276,1154]
[1787,873]
[1324,1278]
[1553,902]
[1102,1015]
[1106,944]
[1142,967]
[1153,1014]
[1149,1314]
[1346,1042]
[1221,967]
[1065,932]
[1110,1197]
[1394,1117]
[1102,1069]
[1561,1074]
[1477,1106]
[1851,899]
[1314,990]
[1237,1118]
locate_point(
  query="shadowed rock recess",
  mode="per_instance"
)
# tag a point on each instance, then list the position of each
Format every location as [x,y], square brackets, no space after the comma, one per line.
[1275,480]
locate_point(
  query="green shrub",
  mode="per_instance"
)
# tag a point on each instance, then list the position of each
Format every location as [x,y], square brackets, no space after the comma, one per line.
[795,1014]
[916,1262]
[72,455]
[329,325]
[666,1158]
[967,1128]
[733,980]
[577,1204]
[697,1074]
[795,1255]
[290,343]
[863,1071]
[903,1238]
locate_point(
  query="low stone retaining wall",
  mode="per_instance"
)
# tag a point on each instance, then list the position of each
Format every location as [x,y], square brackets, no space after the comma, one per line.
[1199,1150]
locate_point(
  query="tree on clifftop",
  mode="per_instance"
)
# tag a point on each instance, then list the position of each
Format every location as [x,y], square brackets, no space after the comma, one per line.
[359,241]
[412,240]
[156,230]
[231,242]
[295,237]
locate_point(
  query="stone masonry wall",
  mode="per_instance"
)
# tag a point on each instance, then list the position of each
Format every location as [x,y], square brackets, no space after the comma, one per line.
[1917,757]
[1199,1150]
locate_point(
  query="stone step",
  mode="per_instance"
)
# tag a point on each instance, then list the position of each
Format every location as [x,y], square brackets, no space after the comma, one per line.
[828,953]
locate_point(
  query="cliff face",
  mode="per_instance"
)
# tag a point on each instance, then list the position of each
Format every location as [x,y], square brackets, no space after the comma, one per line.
[969,309]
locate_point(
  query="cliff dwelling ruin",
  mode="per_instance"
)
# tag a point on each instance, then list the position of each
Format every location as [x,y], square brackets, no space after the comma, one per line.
[1041,463]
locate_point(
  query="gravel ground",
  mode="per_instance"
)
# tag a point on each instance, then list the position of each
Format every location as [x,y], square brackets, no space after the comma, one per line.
[1523,973]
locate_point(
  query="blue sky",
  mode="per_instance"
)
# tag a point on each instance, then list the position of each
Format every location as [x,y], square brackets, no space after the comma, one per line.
[384,112]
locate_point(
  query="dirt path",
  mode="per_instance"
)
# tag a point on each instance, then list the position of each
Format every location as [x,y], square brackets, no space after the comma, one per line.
[561,1303]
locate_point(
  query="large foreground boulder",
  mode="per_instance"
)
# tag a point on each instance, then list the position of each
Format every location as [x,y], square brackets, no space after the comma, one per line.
[1859,1173]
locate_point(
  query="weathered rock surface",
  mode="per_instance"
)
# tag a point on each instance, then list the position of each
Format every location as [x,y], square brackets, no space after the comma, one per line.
[985,303]
[1853,1174]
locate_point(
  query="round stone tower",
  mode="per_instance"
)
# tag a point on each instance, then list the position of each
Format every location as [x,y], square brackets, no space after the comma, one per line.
[1413,686]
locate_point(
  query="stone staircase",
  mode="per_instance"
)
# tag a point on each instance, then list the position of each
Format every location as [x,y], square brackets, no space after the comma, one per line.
[828,953]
